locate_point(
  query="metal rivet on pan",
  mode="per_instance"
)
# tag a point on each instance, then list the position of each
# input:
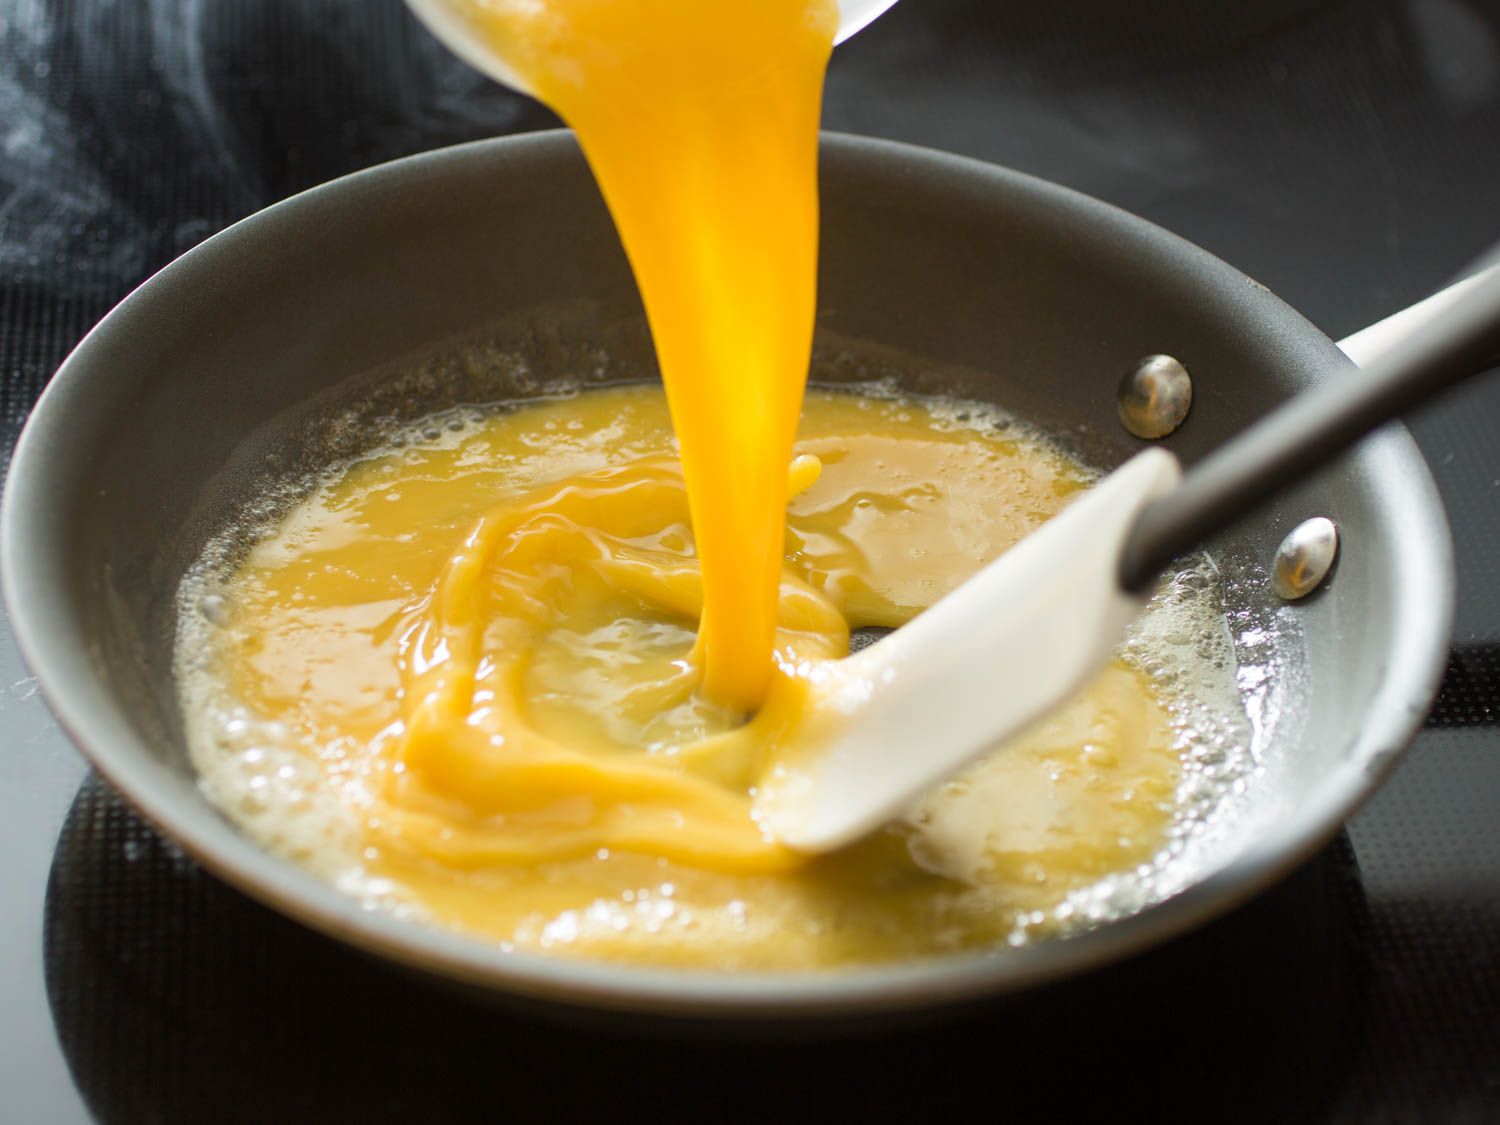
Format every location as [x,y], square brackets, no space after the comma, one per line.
[1304,558]
[1155,396]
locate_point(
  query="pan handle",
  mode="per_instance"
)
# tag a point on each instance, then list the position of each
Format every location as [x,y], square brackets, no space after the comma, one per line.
[1407,359]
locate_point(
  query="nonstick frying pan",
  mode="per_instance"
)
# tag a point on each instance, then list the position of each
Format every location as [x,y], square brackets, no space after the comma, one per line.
[480,272]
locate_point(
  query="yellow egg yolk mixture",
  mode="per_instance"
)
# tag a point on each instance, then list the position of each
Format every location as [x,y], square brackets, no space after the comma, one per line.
[700,122]
[480,650]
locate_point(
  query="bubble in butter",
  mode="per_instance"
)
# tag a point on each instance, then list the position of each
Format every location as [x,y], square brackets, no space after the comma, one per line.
[456,679]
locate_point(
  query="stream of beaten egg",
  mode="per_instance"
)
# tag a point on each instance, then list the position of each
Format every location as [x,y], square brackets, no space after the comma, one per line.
[700,122]
[572,792]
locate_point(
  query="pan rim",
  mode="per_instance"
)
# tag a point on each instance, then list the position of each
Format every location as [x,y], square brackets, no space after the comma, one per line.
[173,804]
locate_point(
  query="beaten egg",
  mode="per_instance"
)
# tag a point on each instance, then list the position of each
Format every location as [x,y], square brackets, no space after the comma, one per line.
[568,788]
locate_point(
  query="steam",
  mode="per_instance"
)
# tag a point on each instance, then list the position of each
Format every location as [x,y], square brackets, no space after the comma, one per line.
[132,129]
[55,198]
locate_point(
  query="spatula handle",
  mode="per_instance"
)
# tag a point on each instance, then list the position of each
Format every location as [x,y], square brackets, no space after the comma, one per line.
[1461,338]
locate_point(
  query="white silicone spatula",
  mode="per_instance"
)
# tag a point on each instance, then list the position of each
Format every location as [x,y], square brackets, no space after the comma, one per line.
[447,19]
[1031,628]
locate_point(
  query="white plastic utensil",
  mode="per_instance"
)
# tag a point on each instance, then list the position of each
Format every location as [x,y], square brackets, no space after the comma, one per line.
[1006,647]
[1030,629]
[446,20]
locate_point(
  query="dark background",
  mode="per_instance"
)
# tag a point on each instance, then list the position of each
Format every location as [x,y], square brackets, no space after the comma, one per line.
[1344,152]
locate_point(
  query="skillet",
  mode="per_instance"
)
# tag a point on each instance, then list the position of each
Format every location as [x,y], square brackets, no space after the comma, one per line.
[479,272]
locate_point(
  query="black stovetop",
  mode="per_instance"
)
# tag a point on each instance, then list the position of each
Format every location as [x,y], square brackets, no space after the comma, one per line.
[1346,153]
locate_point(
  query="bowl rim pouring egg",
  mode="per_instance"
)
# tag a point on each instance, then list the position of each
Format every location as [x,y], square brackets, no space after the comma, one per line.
[453,30]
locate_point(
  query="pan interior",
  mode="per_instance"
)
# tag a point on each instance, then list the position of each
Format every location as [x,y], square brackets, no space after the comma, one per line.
[1184,643]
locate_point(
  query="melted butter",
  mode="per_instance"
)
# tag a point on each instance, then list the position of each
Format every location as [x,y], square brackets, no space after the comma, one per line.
[700,121]
[479,654]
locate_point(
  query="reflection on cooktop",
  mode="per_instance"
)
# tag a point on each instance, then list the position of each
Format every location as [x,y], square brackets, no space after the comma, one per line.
[176,998]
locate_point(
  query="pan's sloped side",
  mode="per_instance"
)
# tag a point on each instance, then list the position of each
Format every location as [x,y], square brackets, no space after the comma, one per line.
[1008,289]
